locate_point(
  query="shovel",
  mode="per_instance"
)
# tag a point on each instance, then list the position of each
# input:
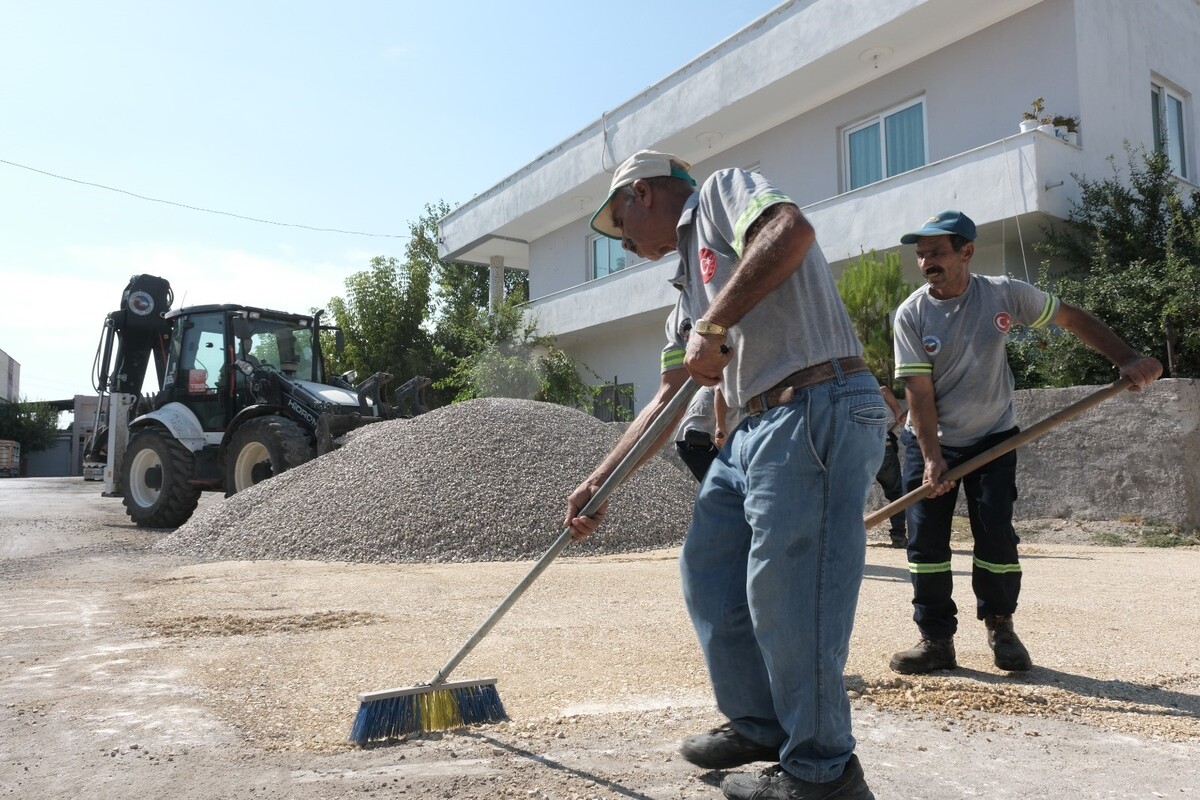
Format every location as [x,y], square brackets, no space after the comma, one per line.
[1008,445]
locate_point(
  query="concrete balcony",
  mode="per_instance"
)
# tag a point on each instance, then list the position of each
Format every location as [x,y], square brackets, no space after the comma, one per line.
[1025,178]
[625,299]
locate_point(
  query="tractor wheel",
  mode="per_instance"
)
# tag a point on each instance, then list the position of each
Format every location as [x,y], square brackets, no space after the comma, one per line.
[263,448]
[155,478]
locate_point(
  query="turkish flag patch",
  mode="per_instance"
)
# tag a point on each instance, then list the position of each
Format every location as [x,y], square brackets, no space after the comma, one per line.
[708,264]
[1003,321]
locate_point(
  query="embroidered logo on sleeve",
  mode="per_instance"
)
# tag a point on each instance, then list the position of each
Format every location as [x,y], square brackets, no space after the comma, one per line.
[932,345]
[1003,321]
[708,264]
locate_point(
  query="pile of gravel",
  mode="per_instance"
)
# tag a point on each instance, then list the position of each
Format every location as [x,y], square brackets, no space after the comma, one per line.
[485,480]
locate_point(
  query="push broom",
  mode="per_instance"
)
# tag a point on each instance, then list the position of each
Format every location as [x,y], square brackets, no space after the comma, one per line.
[1008,445]
[439,704]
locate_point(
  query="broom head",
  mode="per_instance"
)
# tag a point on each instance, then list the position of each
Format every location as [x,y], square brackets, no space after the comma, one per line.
[392,713]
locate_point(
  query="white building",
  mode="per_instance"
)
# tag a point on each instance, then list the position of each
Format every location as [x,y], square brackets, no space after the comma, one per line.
[10,379]
[872,115]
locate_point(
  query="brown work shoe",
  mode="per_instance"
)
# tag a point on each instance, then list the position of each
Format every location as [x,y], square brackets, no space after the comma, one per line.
[725,748]
[928,655]
[776,783]
[1009,653]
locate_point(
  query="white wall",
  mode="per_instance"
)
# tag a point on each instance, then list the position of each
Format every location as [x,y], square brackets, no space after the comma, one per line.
[633,355]
[558,260]
[10,378]
[1121,44]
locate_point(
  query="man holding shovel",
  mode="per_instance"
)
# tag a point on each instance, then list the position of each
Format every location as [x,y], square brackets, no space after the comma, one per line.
[774,555]
[949,339]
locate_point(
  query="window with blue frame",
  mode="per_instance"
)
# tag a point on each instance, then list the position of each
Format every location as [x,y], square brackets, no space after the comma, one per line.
[885,144]
[1168,113]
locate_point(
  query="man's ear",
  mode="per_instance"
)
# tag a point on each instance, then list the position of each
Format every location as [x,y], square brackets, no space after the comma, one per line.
[643,191]
[968,251]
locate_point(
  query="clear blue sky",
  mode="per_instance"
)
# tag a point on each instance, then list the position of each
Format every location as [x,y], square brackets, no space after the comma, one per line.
[349,115]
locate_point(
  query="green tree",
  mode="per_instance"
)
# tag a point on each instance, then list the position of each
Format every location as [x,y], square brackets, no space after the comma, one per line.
[515,361]
[1133,253]
[33,425]
[461,304]
[871,290]
[425,316]
[383,319]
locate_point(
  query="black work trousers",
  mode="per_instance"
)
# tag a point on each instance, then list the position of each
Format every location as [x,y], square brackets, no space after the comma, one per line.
[996,572]
[696,457]
[891,481]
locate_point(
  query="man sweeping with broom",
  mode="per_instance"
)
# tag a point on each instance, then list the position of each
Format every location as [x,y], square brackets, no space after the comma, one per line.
[774,555]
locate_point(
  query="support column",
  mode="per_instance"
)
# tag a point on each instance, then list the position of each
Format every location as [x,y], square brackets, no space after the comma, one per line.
[496,283]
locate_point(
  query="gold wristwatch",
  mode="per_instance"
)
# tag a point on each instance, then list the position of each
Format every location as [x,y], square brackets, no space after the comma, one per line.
[704,327]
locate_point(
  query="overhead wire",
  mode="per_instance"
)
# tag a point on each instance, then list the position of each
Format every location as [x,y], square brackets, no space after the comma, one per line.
[199,208]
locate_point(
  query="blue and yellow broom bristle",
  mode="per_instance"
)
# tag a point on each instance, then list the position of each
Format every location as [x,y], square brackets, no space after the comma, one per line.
[394,712]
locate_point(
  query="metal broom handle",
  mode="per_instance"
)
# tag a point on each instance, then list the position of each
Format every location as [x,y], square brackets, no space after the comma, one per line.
[1012,443]
[627,464]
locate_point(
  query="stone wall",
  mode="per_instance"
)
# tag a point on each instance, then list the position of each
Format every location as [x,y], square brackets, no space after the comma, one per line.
[1135,454]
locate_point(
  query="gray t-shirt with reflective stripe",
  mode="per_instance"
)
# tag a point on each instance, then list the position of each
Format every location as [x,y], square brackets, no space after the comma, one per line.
[960,344]
[800,323]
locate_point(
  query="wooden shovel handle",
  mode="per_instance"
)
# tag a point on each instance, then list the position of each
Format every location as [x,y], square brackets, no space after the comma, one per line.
[1008,445]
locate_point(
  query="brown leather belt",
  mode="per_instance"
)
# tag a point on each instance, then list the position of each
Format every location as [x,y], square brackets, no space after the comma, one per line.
[786,390]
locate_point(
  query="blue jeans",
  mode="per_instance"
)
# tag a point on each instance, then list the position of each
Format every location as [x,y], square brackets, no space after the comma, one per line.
[772,565]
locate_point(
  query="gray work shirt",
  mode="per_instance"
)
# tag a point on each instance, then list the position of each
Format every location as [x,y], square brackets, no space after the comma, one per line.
[800,323]
[959,343]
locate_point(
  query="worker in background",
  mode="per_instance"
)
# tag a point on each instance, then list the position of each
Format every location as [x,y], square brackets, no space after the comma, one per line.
[889,476]
[949,340]
[702,431]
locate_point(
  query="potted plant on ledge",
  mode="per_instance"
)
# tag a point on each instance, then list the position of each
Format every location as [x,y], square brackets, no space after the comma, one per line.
[1033,118]
[1063,127]
[1066,128]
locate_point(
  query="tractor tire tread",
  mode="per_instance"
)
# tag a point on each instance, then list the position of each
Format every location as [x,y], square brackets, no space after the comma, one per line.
[179,498]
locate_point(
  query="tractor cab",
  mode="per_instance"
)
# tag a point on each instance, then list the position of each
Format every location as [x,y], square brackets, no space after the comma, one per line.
[217,354]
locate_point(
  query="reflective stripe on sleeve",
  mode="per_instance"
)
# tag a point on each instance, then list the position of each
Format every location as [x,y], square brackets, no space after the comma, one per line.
[913,369]
[672,358]
[1047,313]
[750,214]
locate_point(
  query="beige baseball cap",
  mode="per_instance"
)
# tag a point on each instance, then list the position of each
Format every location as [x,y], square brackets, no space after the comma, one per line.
[642,164]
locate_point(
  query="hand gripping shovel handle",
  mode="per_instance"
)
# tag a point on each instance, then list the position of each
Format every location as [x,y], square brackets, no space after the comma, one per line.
[627,464]
[1008,445]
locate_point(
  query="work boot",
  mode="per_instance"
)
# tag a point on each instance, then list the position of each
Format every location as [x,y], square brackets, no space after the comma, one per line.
[724,748]
[1010,654]
[776,783]
[899,540]
[928,655]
